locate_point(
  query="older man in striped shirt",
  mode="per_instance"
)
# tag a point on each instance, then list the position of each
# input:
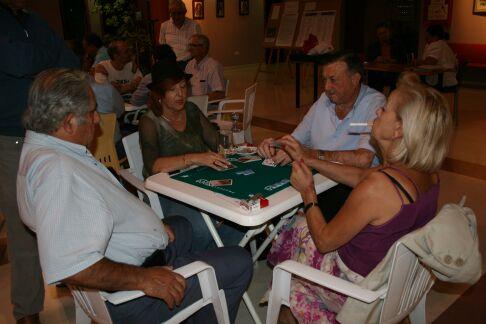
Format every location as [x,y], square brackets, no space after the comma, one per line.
[93,233]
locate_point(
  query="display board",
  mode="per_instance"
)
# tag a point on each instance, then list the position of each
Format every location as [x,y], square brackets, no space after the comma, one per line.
[290,23]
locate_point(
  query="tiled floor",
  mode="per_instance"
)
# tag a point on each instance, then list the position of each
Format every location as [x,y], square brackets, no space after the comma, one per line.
[275,114]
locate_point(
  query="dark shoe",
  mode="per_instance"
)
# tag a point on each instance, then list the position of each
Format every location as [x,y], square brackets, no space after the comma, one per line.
[31,319]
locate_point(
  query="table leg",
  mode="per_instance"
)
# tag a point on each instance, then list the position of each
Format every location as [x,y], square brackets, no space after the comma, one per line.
[316,80]
[219,243]
[297,84]
[272,234]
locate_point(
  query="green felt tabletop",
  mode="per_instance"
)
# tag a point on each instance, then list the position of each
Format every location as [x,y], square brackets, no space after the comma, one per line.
[265,180]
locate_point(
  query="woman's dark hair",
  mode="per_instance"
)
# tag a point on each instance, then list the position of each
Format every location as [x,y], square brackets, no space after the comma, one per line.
[436,31]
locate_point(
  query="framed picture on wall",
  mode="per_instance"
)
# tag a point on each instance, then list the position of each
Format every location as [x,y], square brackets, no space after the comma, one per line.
[220,8]
[197,9]
[244,7]
[479,7]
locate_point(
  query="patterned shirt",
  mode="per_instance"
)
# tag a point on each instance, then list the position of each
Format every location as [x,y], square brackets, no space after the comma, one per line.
[79,210]
[178,38]
[207,76]
[322,129]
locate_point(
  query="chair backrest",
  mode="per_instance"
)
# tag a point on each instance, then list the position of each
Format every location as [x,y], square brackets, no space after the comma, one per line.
[103,146]
[201,102]
[226,87]
[134,154]
[408,282]
[250,93]
[92,304]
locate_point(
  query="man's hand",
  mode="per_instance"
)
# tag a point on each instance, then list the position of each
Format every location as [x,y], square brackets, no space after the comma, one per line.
[163,283]
[267,150]
[294,149]
[169,232]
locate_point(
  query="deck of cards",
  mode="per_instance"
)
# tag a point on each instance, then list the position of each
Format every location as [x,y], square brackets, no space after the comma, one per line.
[255,202]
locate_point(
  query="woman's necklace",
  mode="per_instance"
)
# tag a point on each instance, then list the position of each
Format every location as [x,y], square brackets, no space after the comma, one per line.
[178,119]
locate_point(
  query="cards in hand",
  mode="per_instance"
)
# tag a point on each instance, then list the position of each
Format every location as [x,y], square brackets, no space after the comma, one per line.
[269,162]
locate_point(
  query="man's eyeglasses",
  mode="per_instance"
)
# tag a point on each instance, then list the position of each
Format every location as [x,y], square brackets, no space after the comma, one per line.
[195,45]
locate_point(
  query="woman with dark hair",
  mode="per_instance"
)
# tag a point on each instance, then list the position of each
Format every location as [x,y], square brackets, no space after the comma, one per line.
[174,134]
[438,53]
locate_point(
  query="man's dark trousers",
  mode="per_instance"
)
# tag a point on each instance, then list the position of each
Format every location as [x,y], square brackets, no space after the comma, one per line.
[233,267]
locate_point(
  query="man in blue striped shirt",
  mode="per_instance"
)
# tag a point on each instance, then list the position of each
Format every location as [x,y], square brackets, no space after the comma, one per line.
[93,233]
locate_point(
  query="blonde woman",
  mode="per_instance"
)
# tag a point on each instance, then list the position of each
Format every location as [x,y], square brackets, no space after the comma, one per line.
[413,132]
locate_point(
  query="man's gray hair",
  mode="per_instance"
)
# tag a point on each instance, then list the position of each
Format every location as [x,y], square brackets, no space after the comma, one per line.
[178,4]
[203,39]
[54,94]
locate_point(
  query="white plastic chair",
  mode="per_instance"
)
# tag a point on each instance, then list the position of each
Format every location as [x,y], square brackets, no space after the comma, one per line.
[134,176]
[408,284]
[247,111]
[90,304]
[201,102]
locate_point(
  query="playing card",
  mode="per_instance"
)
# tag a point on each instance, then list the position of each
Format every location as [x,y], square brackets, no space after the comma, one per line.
[269,162]
[229,167]
[220,183]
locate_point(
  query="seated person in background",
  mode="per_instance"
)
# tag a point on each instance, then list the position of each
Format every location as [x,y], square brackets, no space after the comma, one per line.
[108,100]
[413,132]
[325,129]
[94,52]
[93,233]
[119,70]
[174,135]
[438,53]
[141,95]
[408,79]
[207,73]
[386,49]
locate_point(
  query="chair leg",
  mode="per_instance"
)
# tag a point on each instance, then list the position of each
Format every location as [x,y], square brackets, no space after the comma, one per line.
[81,317]
[279,295]
[417,316]
[209,289]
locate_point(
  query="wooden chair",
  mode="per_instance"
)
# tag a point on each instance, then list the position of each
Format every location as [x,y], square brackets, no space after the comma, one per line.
[103,145]
[408,284]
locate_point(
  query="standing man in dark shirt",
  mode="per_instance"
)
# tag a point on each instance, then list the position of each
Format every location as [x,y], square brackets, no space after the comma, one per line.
[27,47]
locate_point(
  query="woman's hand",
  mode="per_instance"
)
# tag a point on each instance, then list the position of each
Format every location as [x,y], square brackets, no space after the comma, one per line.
[303,181]
[293,148]
[210,159]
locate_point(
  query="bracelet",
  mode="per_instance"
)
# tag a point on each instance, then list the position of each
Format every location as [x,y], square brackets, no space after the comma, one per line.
[320,155]
[309,206]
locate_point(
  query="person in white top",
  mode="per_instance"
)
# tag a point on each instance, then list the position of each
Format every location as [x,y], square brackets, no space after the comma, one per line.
[437,52]
[177,30]
[119,70]
[207,73]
